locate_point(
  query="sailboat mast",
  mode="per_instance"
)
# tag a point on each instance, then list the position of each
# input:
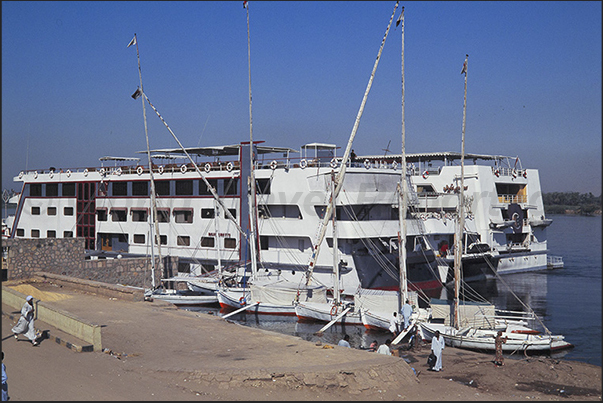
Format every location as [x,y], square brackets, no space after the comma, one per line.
[403,192]
[336,294]
[344,160]
[252,201]
[458,251]
[153,222]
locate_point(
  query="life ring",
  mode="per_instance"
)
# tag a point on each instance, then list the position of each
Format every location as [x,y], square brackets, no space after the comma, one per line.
[333,163]
[207,167]
[183,168]
[394,165]
[229,166]
[334,308]
[68,173]
[367,164]
[118,171]
[525,174]
[448,216]
[437,216]
[242,301]
[423,217]
[86,172]
[470,216]
[51,174]
[273,164]
[497,172]
[102,171]
[303,163]
[21,174]
[139,170]
[425,174]
[160,169]
[514,173]
[35,174]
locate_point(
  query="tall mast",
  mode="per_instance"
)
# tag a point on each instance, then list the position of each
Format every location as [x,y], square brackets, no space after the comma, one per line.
[344,161]
[403,192]
[458,251]
[336,293]
[153,221]
[252,201]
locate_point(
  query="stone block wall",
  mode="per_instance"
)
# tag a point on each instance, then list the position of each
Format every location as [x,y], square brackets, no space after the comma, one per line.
[66,256]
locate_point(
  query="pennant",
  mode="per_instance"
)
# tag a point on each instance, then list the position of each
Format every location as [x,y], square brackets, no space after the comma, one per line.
[464,70]
[400,17]
[245,4]
[132,42]
[137,93]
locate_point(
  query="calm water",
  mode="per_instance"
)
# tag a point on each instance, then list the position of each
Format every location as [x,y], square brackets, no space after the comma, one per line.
[567,300]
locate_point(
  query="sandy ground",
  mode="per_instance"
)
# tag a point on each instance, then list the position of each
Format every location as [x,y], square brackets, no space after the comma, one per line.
[164,353]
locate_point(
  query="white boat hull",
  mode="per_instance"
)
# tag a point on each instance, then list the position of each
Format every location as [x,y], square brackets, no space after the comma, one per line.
[320,312]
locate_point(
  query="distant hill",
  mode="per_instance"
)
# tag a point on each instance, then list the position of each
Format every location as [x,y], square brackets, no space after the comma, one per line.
[572,203]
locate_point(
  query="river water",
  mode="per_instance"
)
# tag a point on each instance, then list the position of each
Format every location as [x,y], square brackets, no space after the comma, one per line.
[567,300]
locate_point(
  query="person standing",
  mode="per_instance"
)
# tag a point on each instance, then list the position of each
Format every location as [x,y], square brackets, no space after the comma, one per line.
[4,381]
[437,346]
[345,342]
[498,342]
[394,324]
[25,325]
[406,312]
[384,348]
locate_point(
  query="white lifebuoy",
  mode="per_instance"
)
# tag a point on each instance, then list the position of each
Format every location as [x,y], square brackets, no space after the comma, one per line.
[497,172]
[333,162]
[525,174]
[51,174]
[514,173]
[117,171]
[367,164]
[229,166]
[425,174]
[102,171]
[303,163]
[394,165]
[207,167]
[437,216]
[423,217]
[160,169]
[68,173]
[448,216]
[35,174]
[273,164]
[139,170]
[183,168]
[86,172]
[21,174]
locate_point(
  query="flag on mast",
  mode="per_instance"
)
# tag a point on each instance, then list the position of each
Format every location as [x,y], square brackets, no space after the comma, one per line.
[464,70]
[400,17]
[132,42]
[137,93]
[245,4]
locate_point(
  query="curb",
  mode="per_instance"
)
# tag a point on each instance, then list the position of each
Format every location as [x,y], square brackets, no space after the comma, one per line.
[48,335]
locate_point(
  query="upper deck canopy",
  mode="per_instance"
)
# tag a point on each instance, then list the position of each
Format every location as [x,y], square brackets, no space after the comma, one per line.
[221,150]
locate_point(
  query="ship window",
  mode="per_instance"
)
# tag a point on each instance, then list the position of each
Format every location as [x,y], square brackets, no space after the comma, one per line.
[20,232]
[51,211]
[207,242]
[301,244]
[119,188]
[35,233]
[163,215]
[230,243]
[140,188]
[183,216]
[101,214]
[52,189]
[162,188]
[263,186]
[68,189]
[139,238]
[204,190]
[264,242]
[184,187]
[68,211]
[35,210]
[51,233]
[231,187]
[139,215]
[184,267]
[67,234]
[233,212]
[35,189]
[208,213]
[118,214]
[163,239]
[183,240]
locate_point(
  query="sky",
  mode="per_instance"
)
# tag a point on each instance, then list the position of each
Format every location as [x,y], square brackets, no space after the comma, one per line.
[533,81]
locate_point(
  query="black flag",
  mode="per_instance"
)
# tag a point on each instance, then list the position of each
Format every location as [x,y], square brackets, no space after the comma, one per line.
[137,93]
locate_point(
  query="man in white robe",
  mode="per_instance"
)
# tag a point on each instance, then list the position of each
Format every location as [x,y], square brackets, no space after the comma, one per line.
[437,345]
[394,324]
[385,348]
[25,325]
[406,312]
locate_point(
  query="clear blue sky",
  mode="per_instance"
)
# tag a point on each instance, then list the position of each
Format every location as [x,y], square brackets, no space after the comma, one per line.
[534,82]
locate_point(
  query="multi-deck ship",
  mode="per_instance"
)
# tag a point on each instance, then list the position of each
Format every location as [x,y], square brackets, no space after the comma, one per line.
[111,208]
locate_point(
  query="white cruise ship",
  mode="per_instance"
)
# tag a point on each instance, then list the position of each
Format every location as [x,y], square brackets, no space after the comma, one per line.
[110,206]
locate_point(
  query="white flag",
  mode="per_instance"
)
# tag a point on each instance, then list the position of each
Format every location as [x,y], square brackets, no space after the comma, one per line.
[132,42]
